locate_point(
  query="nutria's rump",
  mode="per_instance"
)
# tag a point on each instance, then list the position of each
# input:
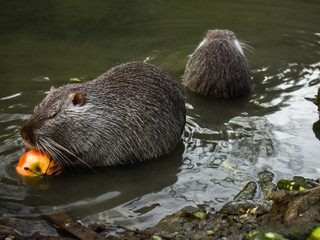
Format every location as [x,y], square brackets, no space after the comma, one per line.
[133,112]
[218,67]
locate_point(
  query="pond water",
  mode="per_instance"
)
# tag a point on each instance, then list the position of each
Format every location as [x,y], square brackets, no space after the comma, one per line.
[225,143]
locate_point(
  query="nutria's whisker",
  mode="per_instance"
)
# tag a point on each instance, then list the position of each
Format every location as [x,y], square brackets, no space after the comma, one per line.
[57,153]
[60,147]
[44,147]
[246,47]
[53,152]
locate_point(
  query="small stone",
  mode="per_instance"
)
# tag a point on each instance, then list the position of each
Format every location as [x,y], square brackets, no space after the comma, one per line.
[155,237]
[200,215]
[10,237]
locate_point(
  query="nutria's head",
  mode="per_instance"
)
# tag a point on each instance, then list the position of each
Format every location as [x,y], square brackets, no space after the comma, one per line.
[225,34]
[218,33]
[218,67]
[56,121]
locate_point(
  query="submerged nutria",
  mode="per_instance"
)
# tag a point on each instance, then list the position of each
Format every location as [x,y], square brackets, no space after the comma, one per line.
[133,112]
[218,67]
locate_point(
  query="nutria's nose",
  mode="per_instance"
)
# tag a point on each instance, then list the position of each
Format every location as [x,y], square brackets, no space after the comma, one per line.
[26,134]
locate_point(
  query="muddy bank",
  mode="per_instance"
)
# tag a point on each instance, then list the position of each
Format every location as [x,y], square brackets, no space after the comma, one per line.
[288,210]
[280,214]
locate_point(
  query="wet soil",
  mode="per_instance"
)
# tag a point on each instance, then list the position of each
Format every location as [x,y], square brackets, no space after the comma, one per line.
[279,214]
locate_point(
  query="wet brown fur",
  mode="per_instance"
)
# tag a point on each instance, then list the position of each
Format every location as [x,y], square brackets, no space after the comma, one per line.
[217,68]
[133,112]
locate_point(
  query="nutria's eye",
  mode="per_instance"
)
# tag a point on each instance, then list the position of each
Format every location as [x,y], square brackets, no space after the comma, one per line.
[52,114]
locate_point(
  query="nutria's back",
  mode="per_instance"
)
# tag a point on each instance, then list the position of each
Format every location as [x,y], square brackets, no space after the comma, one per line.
[133,112]
[218,67]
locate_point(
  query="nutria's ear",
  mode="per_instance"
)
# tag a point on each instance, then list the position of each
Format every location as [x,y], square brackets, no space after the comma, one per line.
[210,33]
[77,98]
[52,88]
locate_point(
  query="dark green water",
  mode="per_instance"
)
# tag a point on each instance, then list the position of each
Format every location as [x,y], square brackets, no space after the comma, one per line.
[225,144]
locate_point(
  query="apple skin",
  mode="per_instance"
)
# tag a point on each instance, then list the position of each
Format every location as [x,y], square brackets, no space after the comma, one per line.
[34,164]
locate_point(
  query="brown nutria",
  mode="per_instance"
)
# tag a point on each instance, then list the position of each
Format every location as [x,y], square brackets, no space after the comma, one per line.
[218,67]
[134,111]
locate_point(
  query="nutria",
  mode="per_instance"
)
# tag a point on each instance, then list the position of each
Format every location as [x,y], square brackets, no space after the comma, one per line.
[133,112]
[218,67]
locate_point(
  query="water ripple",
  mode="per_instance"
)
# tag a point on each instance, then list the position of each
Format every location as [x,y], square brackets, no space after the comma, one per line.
[11,96]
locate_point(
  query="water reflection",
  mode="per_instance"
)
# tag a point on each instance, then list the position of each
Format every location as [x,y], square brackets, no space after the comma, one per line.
[210,175]
[82,193]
